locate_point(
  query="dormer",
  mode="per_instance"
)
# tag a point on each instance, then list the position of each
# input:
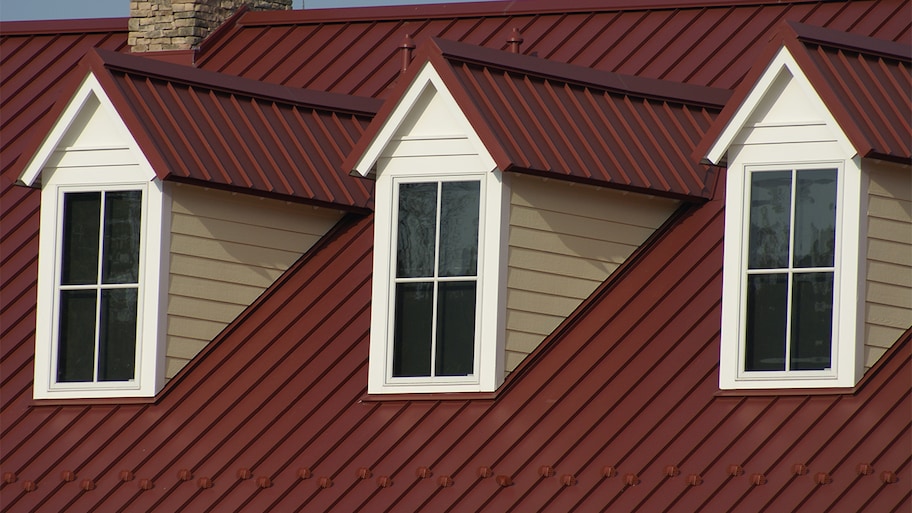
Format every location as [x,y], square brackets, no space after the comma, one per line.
[103,265]
[801,151]
[439,252]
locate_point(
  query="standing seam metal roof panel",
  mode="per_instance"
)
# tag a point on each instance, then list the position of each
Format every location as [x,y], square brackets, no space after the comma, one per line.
[711,33]
[200,127]
[453,438]
[571,408]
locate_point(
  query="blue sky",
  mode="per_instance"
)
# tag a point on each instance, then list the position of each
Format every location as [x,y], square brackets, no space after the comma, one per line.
[11,10]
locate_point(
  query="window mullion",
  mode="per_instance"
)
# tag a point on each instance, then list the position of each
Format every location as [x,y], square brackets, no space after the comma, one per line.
[790,270]
[98,288]
[436,280]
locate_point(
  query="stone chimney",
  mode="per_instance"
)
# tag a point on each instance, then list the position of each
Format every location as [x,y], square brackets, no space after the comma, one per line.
[181,24]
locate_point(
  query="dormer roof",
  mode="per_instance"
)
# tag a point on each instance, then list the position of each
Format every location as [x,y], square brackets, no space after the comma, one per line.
[563,121]
[863,82]
[203,127]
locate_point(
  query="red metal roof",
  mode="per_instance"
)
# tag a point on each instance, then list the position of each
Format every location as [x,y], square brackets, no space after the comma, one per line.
[217,130]
[555,119]
[36,59]
[867,85]
[711,43]
[864,82]
[559,120]
[280,392]
[280,395]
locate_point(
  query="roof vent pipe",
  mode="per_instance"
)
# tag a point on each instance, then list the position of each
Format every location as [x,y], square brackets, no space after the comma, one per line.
[405,49]
[515,40]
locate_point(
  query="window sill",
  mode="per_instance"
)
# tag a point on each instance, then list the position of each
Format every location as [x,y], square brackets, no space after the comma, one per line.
[432,396]
[90,401]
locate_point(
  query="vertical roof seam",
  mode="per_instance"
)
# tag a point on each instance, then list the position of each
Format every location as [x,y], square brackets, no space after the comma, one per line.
[515,149]
[255,133]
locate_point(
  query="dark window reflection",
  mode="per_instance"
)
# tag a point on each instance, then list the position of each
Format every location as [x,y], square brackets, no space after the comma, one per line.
[815,218]
[797,336]
[117,340]
[121,237]
[455,329]
[76,336]
[766,322]
[812,321]
[81,218]
[412,329]
[417,230]
[459,228]
[770,211]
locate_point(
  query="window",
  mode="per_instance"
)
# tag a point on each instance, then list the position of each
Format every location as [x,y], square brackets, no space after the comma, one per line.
[102,258]
[790,271]
[98,286]
[436,280]
[790,309]
[793,275]
[438,294]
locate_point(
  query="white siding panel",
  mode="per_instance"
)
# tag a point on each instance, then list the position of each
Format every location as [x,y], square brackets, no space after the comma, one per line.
[429,147]
[226,249]
[776,134]
[92,158]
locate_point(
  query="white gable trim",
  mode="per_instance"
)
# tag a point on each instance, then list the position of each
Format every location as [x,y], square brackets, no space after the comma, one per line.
[427,78]
[89,88]
[783,62]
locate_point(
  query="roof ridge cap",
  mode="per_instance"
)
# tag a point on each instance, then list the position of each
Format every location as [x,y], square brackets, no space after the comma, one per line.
[187,75]
[848,41]
[77,26]
[483,9]
[610,81]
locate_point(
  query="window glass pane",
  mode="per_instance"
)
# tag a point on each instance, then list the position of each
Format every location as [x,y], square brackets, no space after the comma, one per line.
[412,329]
[812,321]
[770,206]
[117,341]
[766,322]
[455,329]
[417,229]
[459,206]
[815,217]
[121,237]
[79,261]
[76,345]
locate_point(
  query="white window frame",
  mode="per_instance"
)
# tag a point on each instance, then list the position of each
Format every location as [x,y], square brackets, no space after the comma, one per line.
[848,301]
[153,269]
[490,289]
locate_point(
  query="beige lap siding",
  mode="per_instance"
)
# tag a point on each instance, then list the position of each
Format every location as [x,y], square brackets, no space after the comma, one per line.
[565,240]
[226,249]
[888,301]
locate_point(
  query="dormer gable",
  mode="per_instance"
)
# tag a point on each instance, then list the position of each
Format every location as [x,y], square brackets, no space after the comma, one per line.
[426,121]
[781,107]
[857,85]
[88,130]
